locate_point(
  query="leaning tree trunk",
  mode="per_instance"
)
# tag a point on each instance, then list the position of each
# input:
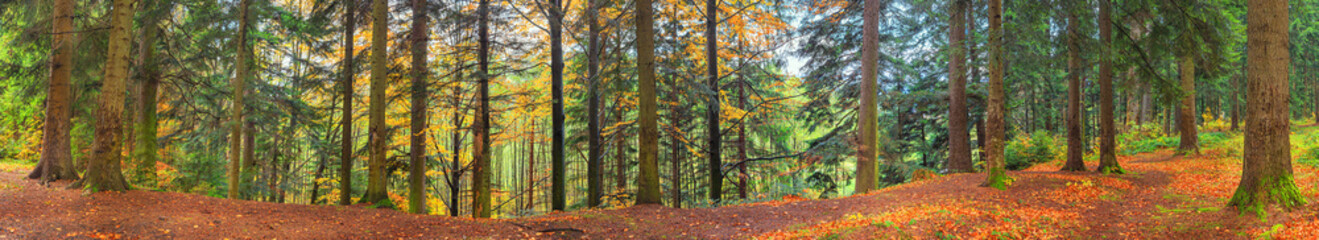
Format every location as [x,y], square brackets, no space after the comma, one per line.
[996,176]
[103,170]
[481,148]
[648,187]
[868,114]
[1073,118]
[417,174]
[959,137]
[56,158]
[1107,129]
[239,86]
[346,121]
[1266,173]
[1186,113]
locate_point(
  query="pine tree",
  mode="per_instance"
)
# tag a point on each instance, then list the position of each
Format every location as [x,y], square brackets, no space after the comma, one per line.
[56,160]
[868,115]
[103,169]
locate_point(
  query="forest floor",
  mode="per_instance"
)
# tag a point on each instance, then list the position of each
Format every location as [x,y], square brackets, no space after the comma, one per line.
[1162,196]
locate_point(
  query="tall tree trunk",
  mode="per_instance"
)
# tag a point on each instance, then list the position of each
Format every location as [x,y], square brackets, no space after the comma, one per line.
[648,187]
[742,143]
[620,152]
[1107,129]
[531,170]
[594,158]
[346,88]
[1075,146]
[481,152]
[715,140]
[996,176]
[1266,173]
[559,168]
[249,171]
[239,87]
[103,170]
[145,152]
[420,41]
[456,170]
[56,160]
[959,136]
[868,114]
[376,184]
[676,157]
[1186,112]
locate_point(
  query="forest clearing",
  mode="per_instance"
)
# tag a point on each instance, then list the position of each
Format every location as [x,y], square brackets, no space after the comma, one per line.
[1161,197]
[659,119]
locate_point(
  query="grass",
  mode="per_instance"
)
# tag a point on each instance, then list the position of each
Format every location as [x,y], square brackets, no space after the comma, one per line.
[15,165]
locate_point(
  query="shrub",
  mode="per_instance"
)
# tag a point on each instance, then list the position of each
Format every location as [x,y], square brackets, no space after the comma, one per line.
[1026,150]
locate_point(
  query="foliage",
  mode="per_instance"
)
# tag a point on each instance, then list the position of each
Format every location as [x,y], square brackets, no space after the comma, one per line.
[1026,150]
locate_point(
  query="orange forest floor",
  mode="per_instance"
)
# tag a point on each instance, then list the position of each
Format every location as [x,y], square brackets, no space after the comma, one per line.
[1162,197]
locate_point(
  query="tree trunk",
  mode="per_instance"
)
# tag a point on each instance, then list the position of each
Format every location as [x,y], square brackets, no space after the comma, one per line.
[559,168]
[1186,112]
[481,152]
[239,87]
[1266,173]
[959,136]
[103,170]
[376,184]
[675,159]
[420,43]
[56,160]
[648,187]
[145,152]
[996,176]
[455,180]
[742,143]
[594,159]
[868,114]
[620,152]
[346,121]
[531,171]
[715,140]
[1107,129]
[1075,146]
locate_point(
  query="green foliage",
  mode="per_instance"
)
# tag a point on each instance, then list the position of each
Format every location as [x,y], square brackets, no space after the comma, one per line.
[1026,150]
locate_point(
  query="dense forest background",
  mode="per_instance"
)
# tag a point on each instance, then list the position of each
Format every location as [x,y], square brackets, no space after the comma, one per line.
[521,107]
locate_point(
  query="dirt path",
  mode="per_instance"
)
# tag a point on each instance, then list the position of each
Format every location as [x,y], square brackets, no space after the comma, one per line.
[1162,197]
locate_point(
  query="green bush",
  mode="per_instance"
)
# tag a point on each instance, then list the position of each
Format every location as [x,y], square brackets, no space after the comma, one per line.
[1026,150]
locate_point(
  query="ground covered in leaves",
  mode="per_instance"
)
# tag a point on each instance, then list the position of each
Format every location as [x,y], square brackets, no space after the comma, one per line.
[1161,197]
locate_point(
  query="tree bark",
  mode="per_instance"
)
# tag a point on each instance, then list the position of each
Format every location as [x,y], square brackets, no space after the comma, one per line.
[560,168]
[868,114]
[239,87]
[996,176]
[715,140]
[594,156]
[1107,129]
[1075,146]
[376,184]
[1186,112]
[420,94]
[481,152]
[648,187]
[103,170]
[346,88]
[56,156]
[1266,173]
[959,136]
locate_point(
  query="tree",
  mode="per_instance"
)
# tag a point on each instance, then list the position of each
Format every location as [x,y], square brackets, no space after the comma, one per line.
[1107,131]
[995,162]
[1073,117]
[1266,172]
[648,187]
[56,161]
[376,182]
[481,150]
[712,104]
[103,169]
[346,121]
[959,139]
[1186,111]
[236,120]
[595,155]
[868,115]
[420,41]
[559,168]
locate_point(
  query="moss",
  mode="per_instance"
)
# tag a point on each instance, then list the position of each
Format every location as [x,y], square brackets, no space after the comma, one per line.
[1113,169]
[997,179]
[386,204]
[1280,191]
